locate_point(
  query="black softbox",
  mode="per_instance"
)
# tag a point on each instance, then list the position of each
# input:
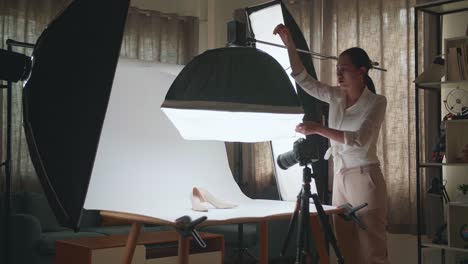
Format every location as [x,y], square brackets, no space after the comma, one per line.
[66,97]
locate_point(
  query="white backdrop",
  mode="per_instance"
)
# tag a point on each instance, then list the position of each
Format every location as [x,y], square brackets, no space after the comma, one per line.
[144,167]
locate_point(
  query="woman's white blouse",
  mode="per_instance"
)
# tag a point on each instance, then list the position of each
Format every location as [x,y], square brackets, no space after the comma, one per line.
[361,122]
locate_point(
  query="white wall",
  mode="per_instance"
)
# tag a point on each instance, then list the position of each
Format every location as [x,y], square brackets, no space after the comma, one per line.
[454,25]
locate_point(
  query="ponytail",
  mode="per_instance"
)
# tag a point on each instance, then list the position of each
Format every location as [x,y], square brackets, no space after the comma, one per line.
[369,83]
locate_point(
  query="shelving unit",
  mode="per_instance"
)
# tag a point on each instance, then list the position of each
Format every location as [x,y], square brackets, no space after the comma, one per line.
[437,9]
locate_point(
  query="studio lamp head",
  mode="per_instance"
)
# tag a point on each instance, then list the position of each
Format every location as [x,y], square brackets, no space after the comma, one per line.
[14,66]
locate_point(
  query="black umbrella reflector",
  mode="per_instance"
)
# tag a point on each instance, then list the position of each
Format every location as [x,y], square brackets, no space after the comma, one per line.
[65,99]
[233,94]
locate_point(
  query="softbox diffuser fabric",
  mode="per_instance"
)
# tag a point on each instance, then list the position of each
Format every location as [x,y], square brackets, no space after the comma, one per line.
[65,99]
[233,94]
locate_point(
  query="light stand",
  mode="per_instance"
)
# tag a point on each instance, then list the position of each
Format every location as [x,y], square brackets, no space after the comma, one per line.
[303,226]
[241,249]
[7,163]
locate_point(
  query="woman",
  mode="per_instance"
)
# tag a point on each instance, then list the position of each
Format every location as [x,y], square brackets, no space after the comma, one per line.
[355,118]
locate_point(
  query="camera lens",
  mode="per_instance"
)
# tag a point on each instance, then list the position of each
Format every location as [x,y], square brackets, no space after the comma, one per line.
[287,159]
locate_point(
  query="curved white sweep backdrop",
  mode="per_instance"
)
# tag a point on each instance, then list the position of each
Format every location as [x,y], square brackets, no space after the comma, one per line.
[144,167]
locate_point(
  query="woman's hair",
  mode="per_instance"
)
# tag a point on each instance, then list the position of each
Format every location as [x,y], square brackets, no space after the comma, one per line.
[359,58]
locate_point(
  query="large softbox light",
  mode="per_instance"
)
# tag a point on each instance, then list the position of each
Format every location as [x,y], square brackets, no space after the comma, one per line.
[233,94]
[66,97]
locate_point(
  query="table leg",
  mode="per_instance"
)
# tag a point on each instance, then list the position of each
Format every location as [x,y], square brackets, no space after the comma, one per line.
[131,243]
[263,242]
[184,249]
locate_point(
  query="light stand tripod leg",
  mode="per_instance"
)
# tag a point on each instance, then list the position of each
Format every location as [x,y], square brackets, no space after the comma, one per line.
[241,249]
[327,228]
[300,233]
[292,223]
[306,256]
[303,225]
[321,243]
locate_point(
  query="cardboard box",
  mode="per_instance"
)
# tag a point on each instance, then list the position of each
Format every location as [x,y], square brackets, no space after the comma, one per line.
[456,140]
[457,225]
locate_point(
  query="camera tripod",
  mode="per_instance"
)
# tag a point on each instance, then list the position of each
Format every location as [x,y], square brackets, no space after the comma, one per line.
[302,214]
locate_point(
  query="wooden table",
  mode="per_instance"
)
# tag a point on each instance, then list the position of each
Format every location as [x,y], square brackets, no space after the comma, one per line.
[138,220]
[110,249]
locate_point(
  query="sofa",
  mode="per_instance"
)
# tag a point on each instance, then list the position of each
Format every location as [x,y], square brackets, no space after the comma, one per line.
[34,230]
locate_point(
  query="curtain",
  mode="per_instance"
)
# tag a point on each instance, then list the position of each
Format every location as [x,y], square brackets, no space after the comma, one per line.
[253,169]
[149,35]
[167,38]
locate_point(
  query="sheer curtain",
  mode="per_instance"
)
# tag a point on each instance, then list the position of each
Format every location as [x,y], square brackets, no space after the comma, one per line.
[149,35]
[167,38]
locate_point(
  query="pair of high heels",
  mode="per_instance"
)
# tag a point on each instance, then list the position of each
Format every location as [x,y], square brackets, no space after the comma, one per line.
[200,196]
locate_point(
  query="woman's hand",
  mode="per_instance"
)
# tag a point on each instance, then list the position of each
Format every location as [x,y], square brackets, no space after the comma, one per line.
[285,35]
[308,128]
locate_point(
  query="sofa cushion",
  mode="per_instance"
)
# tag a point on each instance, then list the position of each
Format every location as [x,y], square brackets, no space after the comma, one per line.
[37,205]
[17,202]
[90,218]
[46,244]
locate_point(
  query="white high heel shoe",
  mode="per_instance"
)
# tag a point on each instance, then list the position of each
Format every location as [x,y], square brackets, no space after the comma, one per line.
[215,202]
[197,200]
[199,196]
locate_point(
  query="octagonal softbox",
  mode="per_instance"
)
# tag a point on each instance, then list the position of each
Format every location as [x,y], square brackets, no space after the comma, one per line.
[233,94]
[65,99]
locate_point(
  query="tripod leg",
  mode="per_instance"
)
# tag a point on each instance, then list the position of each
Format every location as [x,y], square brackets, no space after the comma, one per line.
[327,228]
[307,231]
[320,241]
[292,222]
[303,230]
[300,235]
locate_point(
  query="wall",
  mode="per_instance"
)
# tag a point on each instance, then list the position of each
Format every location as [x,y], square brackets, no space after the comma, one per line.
[454,25]
[223,11]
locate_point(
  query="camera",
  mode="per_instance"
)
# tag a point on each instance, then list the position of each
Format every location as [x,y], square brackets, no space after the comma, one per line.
[305,151]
